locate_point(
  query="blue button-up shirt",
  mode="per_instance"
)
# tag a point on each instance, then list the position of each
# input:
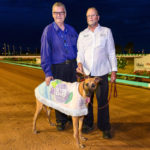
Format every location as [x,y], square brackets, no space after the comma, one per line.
[57,46]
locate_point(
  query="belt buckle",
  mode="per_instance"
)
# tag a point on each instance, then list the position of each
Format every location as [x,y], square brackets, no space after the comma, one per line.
[67,61]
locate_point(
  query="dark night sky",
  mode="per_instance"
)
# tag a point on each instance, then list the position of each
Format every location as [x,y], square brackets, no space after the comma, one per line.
[22,21]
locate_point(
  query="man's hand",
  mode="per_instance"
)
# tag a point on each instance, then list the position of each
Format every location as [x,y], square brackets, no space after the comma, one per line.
[48,79]
[80,68]
[113,76]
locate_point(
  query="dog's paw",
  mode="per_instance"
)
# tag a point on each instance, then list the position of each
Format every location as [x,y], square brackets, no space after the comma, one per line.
[81,146]
[83,138]
[52,124]
[35,132]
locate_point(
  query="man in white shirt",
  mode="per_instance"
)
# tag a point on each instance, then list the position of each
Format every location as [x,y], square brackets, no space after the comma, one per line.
[96,57]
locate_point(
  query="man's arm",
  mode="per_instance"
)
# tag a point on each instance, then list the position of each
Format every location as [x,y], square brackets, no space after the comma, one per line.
[80,68]
[113,76]
[112,55]
[46,57]
[48,79]
[80,55]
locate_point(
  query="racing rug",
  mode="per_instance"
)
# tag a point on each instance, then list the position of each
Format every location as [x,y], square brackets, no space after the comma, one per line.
[62,96]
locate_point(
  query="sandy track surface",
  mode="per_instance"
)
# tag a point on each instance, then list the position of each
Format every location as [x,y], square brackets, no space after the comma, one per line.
[129,112]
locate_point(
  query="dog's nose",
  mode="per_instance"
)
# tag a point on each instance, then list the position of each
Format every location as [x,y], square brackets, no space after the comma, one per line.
[93,85]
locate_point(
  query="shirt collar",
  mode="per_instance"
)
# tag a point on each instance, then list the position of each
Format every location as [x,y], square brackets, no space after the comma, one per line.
[56,27]
[96,29]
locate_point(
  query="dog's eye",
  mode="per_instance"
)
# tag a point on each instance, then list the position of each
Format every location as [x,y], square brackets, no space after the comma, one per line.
[87,84]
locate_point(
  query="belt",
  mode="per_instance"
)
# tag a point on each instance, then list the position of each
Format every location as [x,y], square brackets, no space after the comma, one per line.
[68,61]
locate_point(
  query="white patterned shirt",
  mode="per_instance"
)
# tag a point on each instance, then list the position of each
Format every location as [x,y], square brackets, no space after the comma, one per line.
[96,51]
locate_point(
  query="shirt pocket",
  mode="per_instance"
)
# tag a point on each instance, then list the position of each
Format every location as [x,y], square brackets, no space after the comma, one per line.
[87,42]
[100,41]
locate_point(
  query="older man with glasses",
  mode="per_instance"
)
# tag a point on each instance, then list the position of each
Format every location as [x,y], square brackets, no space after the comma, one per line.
[58,53]
[96,57]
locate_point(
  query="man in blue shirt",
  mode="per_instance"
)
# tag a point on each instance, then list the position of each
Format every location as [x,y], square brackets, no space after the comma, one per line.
[58,53]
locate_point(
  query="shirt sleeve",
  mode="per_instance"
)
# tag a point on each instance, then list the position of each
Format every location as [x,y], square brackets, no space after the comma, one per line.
[111,51]
[45,54]
[80,53]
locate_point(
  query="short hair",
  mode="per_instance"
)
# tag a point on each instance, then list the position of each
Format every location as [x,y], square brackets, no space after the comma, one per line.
[58,4]
[94,9]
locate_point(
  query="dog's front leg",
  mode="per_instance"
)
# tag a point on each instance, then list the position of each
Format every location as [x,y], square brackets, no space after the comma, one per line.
[38,110]
[75,121]
[80,128]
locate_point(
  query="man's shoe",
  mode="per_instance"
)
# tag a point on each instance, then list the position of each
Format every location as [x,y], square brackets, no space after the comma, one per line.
[87,129]
[60,126]
[107,134]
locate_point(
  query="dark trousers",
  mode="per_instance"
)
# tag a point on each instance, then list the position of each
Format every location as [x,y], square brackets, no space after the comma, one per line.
[102,99]
[65,72]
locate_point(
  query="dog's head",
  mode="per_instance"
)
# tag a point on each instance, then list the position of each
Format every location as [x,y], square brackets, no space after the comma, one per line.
[90,85]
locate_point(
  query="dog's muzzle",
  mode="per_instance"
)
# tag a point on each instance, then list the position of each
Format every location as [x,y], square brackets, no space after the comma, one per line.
[89,93]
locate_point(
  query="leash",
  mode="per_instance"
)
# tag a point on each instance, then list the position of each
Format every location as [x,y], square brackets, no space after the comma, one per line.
[115,95]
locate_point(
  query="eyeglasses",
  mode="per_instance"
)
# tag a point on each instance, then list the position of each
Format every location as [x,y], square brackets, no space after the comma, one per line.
[91,16]
[59,13]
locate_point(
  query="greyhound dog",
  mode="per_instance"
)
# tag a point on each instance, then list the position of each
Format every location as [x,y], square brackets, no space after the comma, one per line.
[85,90]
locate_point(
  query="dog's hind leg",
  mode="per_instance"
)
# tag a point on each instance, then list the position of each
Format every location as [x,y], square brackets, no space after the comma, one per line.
[48,113]
[80,128]
[39,106]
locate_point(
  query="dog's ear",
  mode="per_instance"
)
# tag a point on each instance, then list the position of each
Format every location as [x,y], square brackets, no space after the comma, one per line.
[97,79]
[79,77]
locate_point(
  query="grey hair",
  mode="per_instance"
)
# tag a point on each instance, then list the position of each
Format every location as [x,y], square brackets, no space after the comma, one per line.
[59,4]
